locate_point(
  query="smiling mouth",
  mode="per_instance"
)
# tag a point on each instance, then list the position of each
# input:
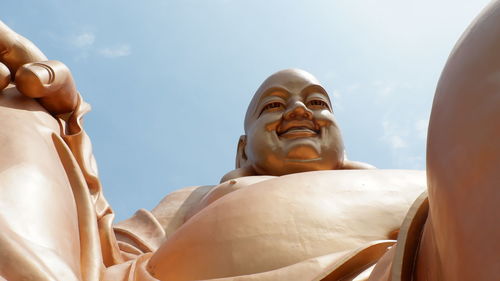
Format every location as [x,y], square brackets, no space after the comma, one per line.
[299,132]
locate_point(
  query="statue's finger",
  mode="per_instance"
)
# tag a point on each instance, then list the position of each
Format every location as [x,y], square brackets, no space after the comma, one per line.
[15,50]
[51,82]
[4,76]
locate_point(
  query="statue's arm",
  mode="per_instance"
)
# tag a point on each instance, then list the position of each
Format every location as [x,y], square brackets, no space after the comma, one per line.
[38,217]
[461,237]
[458,239]
[47,218]
[39,237]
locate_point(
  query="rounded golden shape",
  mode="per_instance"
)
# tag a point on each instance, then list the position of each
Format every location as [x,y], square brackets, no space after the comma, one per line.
[290,127]
[32,79]
[4,76]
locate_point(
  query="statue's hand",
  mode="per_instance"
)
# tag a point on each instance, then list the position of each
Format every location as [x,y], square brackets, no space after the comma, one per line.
[51,82]
[23,64]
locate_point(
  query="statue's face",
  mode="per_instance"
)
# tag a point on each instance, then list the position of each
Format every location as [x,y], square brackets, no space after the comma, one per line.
[290,126]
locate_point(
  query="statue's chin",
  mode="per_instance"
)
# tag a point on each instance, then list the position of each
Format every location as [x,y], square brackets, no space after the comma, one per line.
[302,153]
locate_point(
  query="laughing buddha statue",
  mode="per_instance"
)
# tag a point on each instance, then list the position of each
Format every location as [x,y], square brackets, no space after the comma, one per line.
[294,208]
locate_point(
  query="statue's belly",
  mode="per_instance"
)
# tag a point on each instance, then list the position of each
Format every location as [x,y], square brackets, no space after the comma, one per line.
[285,220]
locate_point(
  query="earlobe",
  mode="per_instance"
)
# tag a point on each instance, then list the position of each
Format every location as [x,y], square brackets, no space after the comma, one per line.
[241,157]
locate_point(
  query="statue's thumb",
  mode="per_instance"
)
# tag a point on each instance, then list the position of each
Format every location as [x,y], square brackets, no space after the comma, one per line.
[51,83]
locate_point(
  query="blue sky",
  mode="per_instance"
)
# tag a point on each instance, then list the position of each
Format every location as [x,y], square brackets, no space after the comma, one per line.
[169,81]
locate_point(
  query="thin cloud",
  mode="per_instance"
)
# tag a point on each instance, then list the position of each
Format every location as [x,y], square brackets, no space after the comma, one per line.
[397,141]
[385,88]
[402,139]
[393,136]
[115,52]
[84,40]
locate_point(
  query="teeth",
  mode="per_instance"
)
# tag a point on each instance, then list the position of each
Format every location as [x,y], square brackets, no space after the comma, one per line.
[296,129]
[299,129]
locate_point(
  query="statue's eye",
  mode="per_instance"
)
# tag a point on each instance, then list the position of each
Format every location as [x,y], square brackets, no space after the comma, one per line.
[317,104]
[273,106]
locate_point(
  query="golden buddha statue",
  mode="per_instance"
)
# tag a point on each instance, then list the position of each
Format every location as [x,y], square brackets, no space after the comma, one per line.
[293,209]
[291,173]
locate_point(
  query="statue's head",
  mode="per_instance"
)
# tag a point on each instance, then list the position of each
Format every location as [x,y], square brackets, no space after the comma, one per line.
[290,127]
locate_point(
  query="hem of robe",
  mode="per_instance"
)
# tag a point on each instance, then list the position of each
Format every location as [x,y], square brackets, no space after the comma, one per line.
[333,266]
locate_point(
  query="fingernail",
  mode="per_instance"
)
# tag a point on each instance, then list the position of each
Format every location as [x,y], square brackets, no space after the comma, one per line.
[44,73]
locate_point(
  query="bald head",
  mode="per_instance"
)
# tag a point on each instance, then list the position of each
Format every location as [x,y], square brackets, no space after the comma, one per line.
[290,127]
[291,80]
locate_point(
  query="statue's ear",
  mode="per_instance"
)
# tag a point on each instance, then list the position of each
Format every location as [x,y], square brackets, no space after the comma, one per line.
[241,157]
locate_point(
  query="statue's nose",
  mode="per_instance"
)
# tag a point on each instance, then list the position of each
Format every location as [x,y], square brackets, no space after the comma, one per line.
[298,110]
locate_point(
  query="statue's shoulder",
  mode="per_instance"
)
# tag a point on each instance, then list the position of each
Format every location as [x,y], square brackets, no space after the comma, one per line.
[362,179]
[146,230]
[172,209]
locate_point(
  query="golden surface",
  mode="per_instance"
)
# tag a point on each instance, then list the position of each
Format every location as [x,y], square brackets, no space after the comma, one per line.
[293,209]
